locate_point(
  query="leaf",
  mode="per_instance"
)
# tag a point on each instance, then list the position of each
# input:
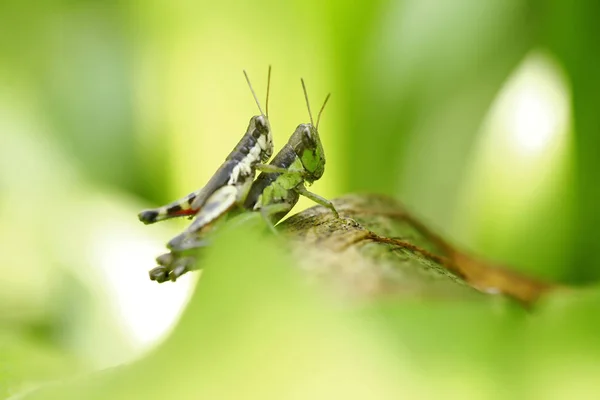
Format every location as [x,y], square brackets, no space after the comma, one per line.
[384,250]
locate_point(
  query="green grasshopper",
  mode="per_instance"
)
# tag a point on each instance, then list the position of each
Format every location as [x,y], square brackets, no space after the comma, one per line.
[302,159]
[231,182]
[274,193]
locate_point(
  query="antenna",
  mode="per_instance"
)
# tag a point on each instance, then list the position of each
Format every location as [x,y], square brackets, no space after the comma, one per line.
[307,105]
[268,87]
[321,111]
[253,94]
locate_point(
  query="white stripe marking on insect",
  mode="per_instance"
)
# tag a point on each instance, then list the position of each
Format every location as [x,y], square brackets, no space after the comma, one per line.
[262,142]
[244,167]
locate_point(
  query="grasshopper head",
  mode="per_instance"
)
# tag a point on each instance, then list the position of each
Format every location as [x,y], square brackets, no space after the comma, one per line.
[259,124]
[307,144]
[261,131]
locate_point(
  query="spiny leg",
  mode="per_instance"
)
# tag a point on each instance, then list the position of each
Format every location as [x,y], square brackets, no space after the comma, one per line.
[165,260]
[215,207]
[218,205]
[268,211]
[181,266]
[172,266]
[272,168]
[178,208]
[317,199]
[186,241]
[160,274]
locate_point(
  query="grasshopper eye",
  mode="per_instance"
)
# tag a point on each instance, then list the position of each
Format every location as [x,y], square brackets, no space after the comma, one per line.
[260,122]
[307,133]
[308,137]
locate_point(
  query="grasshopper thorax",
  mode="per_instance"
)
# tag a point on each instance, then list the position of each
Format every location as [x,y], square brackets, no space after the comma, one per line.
[307,145]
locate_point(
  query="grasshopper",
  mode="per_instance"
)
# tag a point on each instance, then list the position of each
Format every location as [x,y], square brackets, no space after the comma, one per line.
[231,182]
[302,159]
[274,193]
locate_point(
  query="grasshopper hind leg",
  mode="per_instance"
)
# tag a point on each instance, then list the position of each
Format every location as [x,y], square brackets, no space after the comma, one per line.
[185,242]
[178,208]
[153,215]
[216,208]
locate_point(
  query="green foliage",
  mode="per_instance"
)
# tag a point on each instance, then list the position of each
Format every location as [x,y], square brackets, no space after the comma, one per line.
[104,103]
[253,329]
[25,359]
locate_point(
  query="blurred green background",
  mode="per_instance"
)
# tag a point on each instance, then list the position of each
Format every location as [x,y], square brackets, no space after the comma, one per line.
[481,116]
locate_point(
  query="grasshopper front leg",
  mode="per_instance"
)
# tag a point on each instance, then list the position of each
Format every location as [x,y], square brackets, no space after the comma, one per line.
[269,168]
[172,265]
[301,189]
[179,267]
